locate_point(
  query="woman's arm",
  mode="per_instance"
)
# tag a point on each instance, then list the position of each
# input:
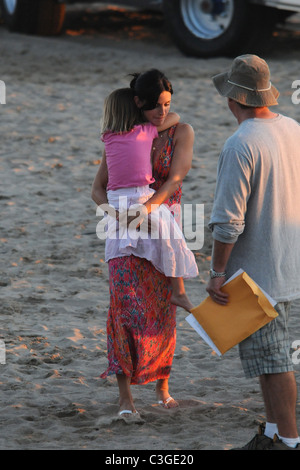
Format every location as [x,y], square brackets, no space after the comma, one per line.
[180,166]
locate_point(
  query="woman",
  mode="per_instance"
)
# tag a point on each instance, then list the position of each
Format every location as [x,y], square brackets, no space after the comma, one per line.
[141,324]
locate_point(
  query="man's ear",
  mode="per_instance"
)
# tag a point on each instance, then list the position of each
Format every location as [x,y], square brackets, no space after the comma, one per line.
[138,102]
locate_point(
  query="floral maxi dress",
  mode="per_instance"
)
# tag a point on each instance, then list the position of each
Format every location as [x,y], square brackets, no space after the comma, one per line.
[141,323]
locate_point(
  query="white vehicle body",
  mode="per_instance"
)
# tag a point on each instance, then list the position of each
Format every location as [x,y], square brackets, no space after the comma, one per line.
[291,5]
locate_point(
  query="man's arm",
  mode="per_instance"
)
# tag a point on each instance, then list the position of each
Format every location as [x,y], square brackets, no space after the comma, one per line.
[233,190]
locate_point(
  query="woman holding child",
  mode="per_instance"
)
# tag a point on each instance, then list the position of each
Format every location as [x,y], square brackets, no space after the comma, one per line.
[141,324]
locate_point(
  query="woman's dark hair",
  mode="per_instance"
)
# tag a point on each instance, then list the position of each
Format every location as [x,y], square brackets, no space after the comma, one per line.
[148,86]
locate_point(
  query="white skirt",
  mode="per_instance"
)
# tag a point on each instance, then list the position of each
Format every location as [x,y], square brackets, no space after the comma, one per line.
[163,244]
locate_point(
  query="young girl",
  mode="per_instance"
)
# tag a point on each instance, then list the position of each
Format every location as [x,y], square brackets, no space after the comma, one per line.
[128,143]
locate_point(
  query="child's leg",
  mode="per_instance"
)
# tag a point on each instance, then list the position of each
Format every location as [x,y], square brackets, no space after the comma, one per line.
[179,296]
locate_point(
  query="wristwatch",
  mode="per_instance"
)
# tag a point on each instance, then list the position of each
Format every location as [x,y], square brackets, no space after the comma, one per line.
[214,274]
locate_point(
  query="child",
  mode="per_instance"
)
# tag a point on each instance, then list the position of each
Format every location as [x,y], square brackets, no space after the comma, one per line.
[128,144]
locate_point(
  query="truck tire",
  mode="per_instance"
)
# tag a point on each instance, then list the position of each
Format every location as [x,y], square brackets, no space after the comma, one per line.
[43,17]
[207,28]
[50,18]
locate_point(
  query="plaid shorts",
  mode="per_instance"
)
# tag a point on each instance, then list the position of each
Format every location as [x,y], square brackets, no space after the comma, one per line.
[267,351]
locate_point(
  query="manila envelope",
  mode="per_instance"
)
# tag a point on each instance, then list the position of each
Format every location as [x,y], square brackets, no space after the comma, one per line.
[248,309]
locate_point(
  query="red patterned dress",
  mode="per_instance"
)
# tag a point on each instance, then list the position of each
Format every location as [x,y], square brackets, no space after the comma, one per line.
[141,323]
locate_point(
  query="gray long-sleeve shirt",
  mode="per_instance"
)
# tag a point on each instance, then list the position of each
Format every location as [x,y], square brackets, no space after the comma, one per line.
[257,203]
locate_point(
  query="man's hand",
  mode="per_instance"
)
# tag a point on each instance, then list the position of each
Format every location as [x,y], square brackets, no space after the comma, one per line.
[214,290]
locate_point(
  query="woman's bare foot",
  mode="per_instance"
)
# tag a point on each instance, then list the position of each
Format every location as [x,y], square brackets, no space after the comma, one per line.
[169,403]
[126,400]
[127,408]
[163,396]
[181,300]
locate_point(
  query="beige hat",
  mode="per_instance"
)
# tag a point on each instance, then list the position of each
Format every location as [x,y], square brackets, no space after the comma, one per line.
[248,82]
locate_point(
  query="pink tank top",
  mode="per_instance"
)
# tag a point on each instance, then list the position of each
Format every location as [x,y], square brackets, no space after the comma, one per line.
[128,157]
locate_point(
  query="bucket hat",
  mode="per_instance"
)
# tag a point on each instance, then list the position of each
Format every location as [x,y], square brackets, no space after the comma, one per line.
[247,82]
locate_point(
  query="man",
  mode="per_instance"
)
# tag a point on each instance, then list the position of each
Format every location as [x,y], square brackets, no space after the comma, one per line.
[255,224]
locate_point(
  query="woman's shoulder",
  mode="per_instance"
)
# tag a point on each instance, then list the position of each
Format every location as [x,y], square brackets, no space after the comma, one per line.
[183,129]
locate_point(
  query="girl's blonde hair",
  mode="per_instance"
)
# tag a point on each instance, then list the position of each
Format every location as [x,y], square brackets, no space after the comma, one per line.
[120,112]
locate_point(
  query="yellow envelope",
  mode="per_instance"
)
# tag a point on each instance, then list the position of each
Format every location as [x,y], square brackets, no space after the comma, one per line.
[247,311]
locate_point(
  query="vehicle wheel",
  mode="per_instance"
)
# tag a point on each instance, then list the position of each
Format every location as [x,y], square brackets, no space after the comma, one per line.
[19,15]
[33,16]
[206,28]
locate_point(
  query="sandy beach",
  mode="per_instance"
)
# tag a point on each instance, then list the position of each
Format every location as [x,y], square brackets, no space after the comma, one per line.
[53,278]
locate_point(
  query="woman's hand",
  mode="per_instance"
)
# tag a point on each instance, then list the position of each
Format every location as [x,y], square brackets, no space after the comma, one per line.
[134,216]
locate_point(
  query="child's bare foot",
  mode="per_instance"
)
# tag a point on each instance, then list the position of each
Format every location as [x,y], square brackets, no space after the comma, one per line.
[181,300]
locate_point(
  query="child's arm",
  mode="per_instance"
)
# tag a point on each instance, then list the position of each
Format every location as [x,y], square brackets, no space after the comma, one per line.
[100,182]
[99,194]
[171,120]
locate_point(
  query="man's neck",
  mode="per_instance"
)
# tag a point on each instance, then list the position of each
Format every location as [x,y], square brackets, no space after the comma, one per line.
[251,113]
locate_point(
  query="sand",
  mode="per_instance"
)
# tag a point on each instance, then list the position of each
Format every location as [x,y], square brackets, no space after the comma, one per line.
[54,281]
